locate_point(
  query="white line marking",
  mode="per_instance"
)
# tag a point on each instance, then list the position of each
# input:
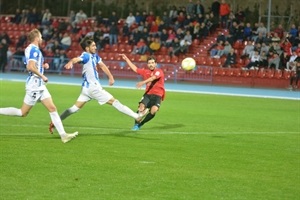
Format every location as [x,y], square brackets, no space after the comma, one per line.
[103,131]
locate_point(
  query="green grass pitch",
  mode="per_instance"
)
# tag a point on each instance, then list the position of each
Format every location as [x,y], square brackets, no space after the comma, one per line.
[197,147]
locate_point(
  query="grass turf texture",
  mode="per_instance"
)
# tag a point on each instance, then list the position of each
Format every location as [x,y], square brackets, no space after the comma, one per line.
[197,147]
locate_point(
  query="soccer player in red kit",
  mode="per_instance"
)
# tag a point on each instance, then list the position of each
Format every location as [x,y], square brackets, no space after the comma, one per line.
[154,80]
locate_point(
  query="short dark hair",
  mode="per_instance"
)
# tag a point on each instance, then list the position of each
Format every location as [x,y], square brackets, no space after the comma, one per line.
[151,58]
[86,42]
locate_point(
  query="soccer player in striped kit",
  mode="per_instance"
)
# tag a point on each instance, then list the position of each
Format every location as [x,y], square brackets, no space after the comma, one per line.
[36,89]
[91,87]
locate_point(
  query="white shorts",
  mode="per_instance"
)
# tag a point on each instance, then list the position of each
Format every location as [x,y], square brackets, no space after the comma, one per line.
[35,91]
[94,92]
[33,96]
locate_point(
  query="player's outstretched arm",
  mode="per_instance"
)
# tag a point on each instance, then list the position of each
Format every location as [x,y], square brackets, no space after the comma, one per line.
[131,65]
[107,72]
[69,65]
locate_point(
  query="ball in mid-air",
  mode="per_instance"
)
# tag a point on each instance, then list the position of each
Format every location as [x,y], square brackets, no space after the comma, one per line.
[188,63]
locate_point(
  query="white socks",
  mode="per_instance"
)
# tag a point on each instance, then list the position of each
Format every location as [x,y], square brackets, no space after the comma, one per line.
[69,112]
[57,123]
[11,111]
[124,109]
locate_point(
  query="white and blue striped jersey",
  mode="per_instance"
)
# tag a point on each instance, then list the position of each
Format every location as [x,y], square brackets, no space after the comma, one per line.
[89,71]
[32,52]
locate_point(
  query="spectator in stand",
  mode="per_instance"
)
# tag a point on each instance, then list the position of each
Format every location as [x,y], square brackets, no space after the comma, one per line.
[180,34]
[286,46]
[224,13]
[190,8]
[166,19]
[254,31]
[240,15]
[247,32]
[125,31]
[293,31]
[163,37]
[225,51]
[264,48]
[113,18]
[66,41]
[291,64]
[215,22]
[248,50]
[268,38]
[200,18]
[140,48]
[99,18]
[171,38]
[295,78]
[153,29]
[3,54]
[184,46]
[279,30]
[199,8]
[72,17]
[203,32]
[22,39]
[180,19]
[274,60]
[262,30]
[46,19]
[79,18]
[17,17]
[161,26]
[113,33]
[173,14]
[18,59]
[175,47]
[231,19]
[151,17]
[63,25]
[215,8]
[263,60]
[24,16]
[215,48]
[130,20]
[221,36]
[259,39]
[154,45]
[59,60]
[138,17]
[254,61]
[188,37]
[33,17]
[230,59]
[144,16]
[55,46]
[296,42]
[98,38]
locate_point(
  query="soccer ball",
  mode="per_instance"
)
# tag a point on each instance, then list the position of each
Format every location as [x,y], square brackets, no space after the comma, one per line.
[188,63]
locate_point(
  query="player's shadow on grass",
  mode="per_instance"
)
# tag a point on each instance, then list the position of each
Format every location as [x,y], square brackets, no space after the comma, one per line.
[168,126]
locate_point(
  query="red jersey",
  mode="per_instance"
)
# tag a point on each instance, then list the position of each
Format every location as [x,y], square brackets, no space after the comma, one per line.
[156,87]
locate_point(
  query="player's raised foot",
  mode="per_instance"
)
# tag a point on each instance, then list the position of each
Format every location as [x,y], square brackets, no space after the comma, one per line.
[136,127]
[51,127]
[142,114]
[69,137]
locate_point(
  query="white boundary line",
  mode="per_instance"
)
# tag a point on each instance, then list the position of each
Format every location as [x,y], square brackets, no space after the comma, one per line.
[144,132]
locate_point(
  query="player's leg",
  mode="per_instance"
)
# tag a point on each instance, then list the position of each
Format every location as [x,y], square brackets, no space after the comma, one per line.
[48,103]
[154,103]
[104,97]
[19,112]
[82,99]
